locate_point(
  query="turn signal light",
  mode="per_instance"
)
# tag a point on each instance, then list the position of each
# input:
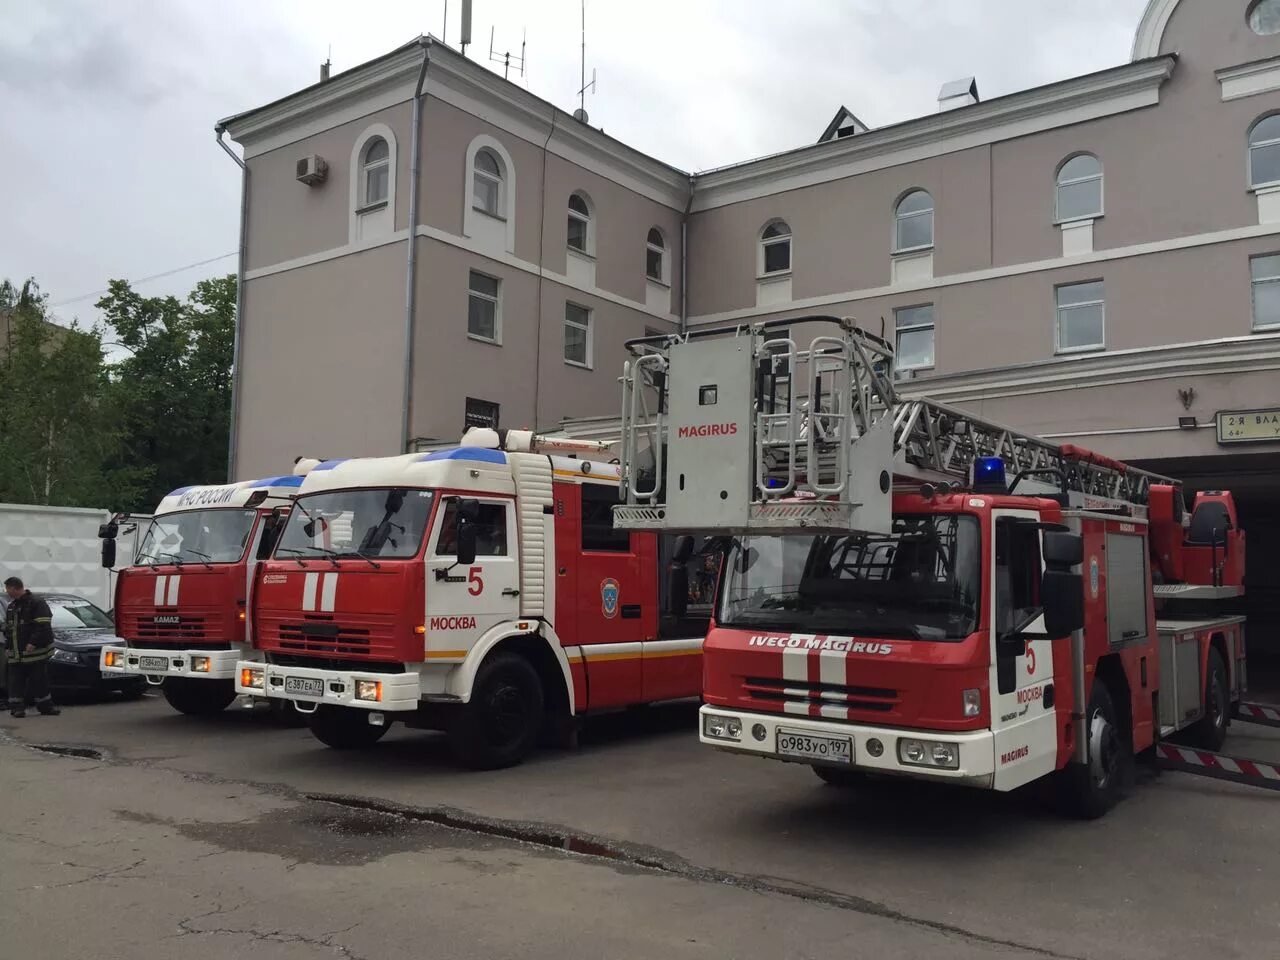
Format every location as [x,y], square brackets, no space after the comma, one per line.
[108,658]
[420,629]
[251,678]
[242,616]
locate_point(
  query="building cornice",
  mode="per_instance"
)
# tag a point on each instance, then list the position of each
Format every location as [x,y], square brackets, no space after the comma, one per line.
[1249,79]
[1077,100]
[1150,33]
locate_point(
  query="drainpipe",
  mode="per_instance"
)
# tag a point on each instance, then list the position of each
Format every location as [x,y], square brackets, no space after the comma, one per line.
[411,267]
[239,321]
[684,261]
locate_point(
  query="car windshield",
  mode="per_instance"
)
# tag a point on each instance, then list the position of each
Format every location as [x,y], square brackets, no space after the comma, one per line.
[367,523]
[196,536]
[77,614]
[921,582]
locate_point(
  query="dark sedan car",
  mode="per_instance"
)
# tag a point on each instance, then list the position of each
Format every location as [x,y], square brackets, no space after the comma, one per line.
[79,632]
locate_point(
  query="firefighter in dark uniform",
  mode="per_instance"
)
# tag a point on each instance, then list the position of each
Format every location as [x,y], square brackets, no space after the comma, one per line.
[28,632]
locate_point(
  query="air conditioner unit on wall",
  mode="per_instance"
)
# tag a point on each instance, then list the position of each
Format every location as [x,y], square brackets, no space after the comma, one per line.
[312,170]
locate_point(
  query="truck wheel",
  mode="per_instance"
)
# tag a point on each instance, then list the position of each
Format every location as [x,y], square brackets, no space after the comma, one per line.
[1090,791]
[1210,731]
[837,777]
[198,698]
[500,725]
[345,728]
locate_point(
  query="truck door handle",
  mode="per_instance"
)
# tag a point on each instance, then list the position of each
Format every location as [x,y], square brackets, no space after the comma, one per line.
[510,592]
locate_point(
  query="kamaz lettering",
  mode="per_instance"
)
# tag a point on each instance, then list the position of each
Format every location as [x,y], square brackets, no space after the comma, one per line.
[708,430]
[453,623]
[206,496]
[837,644]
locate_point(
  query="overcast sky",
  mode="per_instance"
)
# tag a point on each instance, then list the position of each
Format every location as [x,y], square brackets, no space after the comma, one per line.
[109,168]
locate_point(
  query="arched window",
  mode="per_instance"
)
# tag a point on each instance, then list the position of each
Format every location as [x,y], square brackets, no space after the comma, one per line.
[1079,194]
[775,248]
[655,257]
[376,164]
[913,222]
[1264,17]
[1264,152]
[579,223]
[486,183]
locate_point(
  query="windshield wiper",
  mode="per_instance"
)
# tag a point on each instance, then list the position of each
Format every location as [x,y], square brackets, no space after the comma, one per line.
[367,559]
[203,557]
[177,560]
[330,555]
[293,550]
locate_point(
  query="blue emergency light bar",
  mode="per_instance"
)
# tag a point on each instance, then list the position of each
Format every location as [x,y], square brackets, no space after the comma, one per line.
[988,475]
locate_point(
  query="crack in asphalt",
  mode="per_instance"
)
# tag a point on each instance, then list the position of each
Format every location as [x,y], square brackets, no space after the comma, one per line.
[325,940]
[561,840]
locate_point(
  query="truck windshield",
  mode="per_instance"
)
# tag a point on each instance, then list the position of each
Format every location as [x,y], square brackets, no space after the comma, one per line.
[366,523]
[921,582]
[196,536]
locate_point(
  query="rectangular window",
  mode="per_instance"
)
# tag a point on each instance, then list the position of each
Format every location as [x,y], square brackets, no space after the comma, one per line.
[1265,273]
[577,233]
[480,413]
[653,264]
[777,255]
[491,530]
[375,184]
[1127,592]
[1081,317]
[482,307]
[577,334]
[598,501]
[915,337]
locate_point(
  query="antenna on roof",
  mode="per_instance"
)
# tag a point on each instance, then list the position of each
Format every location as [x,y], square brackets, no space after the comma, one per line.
[581,113]
[465,39]
[324,67]
[508,58]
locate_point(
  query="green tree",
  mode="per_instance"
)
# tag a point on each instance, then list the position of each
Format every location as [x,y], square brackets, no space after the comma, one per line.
[173,389]
[57,425]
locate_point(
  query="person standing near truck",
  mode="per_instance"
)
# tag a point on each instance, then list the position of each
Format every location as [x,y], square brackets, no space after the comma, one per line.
[28,632]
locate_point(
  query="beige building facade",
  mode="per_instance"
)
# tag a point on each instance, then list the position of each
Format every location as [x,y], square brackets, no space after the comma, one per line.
[1097,260]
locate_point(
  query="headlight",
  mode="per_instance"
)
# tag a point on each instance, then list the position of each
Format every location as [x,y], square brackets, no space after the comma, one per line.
[722,728]
[253,679]
[972,703]
[65,656]
[928,753]
[369,690]
[201,664]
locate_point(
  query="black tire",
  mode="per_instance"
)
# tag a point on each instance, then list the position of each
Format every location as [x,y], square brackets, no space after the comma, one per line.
[345,728]
[838,777]
[198,698]
[500,725]
[1090,791]
[1210,731]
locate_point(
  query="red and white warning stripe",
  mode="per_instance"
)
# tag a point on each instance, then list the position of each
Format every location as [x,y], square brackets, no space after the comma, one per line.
[1218,767]
[1259,713]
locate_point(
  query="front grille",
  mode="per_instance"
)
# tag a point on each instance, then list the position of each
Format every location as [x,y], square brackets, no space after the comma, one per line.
[190,628]
[316,634]
[168,645]
[333,663]
[776,692]
[144,626]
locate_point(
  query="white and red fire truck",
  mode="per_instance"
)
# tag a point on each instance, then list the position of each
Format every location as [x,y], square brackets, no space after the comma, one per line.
[914,591]
[481,590]
[181,606]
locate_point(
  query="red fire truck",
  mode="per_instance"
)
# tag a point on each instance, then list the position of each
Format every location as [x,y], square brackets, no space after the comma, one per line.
[481,590]
[180,607]
[914,591]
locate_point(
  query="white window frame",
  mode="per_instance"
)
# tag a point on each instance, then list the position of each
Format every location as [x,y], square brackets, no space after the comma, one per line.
[496,300]
[766,242]
[589,225]
[664,272]
[1250,146]
[381,214]
[899,329]
[366,167]
[1058,310]
[589,365]
[475,222]
[1254,283]
[899,217]
[476,173]
[1059,183]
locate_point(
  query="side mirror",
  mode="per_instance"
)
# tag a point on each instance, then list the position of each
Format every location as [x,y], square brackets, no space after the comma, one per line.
[1063,596]
[108,553]
[1063,550]
[682,550]
[678,589]
[108,531]
[468,512]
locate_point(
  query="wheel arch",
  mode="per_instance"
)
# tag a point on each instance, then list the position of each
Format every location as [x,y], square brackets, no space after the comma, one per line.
[540,646]
[1110,672]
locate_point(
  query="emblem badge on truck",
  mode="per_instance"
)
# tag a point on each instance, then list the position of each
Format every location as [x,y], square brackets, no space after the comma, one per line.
[609,592]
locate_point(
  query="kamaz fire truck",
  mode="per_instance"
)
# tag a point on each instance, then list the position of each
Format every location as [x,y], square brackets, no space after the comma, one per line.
[481,590]
[181,606]
[914,591]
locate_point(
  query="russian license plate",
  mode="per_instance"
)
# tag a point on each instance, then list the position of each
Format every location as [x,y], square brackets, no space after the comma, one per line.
[153,663]
[306,686]
[810,747]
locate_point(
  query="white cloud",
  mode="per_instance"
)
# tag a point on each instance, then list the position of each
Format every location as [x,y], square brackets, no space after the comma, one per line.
[109,108]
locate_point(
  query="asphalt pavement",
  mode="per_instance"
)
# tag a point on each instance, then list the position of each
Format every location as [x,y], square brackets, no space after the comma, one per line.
[137,833]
